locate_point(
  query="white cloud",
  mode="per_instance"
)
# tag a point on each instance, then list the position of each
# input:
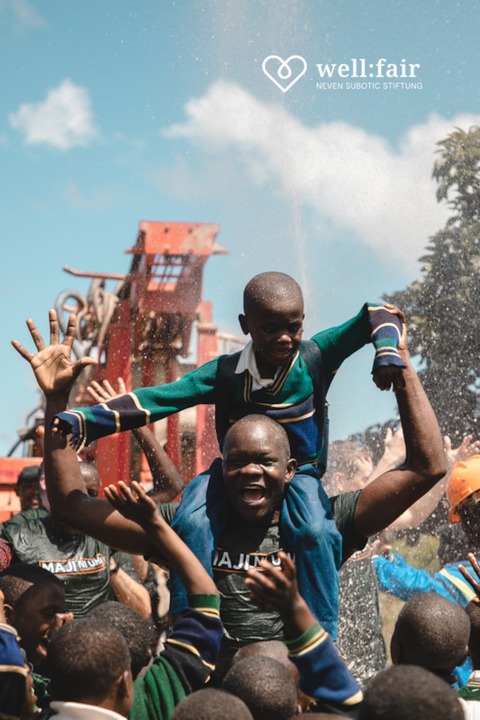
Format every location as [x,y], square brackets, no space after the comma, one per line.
[63,120]
[24,14]
[352,179]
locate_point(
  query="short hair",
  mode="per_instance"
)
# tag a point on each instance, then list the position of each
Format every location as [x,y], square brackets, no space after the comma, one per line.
[19,578]
[473,612]
[275,649]
[135,629]
[211,704]
[90,477]
[265,685]
[268,422]
[270,288]
[432,632]
[407,692]
[85,658]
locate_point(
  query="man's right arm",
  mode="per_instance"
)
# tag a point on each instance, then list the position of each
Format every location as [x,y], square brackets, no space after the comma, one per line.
[55,374]
[67,494]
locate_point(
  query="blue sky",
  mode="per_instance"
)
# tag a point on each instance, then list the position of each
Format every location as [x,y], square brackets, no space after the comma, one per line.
[114,111]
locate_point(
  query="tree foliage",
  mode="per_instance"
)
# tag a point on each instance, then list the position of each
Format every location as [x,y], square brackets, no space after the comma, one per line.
[442,307]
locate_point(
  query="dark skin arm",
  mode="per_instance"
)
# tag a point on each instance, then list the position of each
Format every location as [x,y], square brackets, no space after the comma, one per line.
[134,504]
[390,494]
[167,481]
[55,374]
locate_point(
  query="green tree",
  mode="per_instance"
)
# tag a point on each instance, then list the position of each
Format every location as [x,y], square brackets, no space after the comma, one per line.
[442,307]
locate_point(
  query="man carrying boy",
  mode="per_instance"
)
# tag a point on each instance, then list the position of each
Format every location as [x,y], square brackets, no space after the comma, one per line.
[276,375]
[258,470]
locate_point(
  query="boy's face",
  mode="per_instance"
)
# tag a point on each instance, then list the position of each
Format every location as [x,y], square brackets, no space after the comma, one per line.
[256,467]
[276,331]
[33,618]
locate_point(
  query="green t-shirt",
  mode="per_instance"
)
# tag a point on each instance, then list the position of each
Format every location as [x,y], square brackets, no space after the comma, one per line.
[82,563]
[242,546]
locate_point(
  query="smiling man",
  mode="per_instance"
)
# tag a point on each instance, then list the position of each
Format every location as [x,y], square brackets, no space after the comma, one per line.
[254,518]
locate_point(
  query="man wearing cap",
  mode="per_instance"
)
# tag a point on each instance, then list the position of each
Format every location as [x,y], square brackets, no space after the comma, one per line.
[29,489]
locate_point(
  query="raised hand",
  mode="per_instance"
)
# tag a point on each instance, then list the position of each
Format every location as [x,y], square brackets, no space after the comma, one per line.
[273,588]
[473,581]
[103,392]
[466,449]
[391,376]
[132,502]
[52,365]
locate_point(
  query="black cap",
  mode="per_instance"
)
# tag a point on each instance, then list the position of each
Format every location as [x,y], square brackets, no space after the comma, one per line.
[30,474]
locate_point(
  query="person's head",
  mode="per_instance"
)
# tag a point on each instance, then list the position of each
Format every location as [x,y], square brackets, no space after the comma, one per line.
[453,545]
[463,493]
[256,467]
[349,467]
[211,704]
[28,487]
[90,663]
[91,478]
[277,650]
[135,629]
[265,685]
[33,596]
[273,317]
[473,612]
[407,692]
[432,632]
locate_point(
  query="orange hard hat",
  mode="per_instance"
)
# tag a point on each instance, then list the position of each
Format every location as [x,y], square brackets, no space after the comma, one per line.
[464,480]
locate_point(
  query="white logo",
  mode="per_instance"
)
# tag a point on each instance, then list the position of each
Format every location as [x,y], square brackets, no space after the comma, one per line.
[282,72]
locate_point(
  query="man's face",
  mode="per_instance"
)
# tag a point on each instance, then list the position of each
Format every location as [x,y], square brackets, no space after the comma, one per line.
[276,332]
[256,467]
[33,618]
[29,493]
[469,511]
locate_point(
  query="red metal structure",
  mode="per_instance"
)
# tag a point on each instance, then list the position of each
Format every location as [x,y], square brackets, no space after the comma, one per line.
[142,331]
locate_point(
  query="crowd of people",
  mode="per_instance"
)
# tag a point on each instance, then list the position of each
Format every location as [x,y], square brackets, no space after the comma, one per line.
[275,554]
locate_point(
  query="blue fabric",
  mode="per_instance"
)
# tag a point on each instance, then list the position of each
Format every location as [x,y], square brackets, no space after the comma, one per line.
[307,525]
[396,577]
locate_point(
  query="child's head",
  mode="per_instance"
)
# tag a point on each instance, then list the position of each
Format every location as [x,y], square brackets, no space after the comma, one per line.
[473,612]
[33,596]
[265,685]
[256,467]
[90,663]
[277,650]
[211,704]
[409,692]
[134,628]
[432,632]
[273,317]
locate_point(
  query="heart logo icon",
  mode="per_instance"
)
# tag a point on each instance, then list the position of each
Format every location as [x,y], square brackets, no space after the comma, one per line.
[281,73]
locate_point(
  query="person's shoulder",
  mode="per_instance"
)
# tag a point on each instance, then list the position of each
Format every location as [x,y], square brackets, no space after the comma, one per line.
[25,517]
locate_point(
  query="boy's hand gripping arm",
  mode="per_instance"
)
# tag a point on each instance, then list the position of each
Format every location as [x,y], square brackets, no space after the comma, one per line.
[134,504]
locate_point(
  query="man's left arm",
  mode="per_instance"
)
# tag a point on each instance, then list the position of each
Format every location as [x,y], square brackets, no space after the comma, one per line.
[390,494]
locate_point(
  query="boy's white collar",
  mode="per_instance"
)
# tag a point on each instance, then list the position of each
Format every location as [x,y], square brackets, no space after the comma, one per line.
[248,361]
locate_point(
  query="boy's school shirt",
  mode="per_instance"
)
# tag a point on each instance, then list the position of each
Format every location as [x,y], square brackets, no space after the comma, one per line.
[289,399]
